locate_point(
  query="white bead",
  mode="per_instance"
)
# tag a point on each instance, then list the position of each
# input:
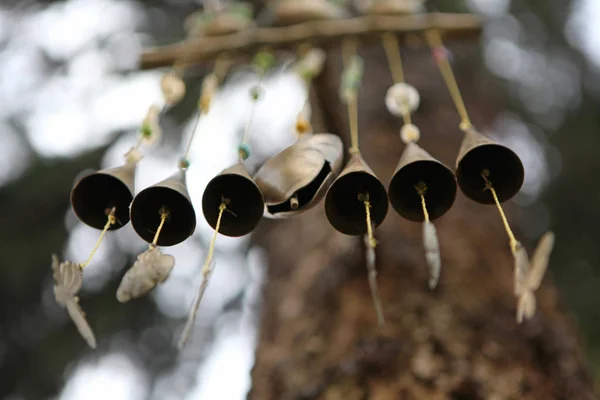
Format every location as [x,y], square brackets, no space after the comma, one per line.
[410,133]
[402,99]
[173,88]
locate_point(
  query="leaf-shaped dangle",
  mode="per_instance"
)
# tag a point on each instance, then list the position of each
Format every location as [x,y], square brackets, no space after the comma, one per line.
[432,253]
[151,268]
[539,264]
[67,282]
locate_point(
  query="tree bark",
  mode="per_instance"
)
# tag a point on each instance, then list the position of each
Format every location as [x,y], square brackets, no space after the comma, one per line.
[319,337]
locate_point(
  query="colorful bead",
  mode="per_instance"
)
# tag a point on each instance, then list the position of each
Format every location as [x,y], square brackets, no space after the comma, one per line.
[244,151]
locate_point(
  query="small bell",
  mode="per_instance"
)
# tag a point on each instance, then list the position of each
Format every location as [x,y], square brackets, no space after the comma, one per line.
[415,168]
[344,202]
[295,12]
[480,156]
[244,200]
[170,196]
[96,193]
[298,177]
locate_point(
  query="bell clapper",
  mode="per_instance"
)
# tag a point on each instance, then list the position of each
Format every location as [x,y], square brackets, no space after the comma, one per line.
[294,203]
[164,216]
[430,240]
[206,271]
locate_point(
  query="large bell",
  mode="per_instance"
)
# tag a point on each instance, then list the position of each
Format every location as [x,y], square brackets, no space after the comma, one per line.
[298,177]
[418,168]
[344,202]
[480,155]
[243,198]
[288,12]
[170,195]
[94,195]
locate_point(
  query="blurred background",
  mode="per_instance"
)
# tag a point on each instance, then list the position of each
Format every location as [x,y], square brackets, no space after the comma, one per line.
[72,99]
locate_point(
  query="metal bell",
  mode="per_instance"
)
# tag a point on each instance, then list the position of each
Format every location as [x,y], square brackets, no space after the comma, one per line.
[417,167]
[97,193]
[480,155]
[243,198]
[298,177]
[294,12]
[344,205]
[171,195]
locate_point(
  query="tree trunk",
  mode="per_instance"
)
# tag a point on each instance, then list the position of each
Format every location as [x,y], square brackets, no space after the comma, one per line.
[319,336]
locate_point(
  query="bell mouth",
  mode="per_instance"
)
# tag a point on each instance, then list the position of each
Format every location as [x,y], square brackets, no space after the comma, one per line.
[346,212]
[439,196]
[97,193]
[505,173]
[146,217]
[245,204]
[304,196]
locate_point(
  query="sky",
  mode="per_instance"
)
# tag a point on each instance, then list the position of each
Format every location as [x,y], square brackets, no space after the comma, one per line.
[64,111]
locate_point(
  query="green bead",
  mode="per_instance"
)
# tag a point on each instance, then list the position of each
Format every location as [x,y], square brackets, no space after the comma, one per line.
[184,163]
[146,131]
[264,60]
[244,150]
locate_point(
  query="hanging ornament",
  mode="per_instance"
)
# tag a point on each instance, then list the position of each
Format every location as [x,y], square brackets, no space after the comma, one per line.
[486,171]
[422,188]
[357,201]
[297,178]
[68,277]
[232,203]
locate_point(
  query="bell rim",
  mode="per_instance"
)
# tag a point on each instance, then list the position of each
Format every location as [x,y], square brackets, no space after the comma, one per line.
[377,215]
[504,192]
[434,213]
[163,241]
[122,217]
[224,228]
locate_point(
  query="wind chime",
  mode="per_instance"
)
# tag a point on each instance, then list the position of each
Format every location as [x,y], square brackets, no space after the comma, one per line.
[297,178]
[422,188]
[357,203]
[490,173]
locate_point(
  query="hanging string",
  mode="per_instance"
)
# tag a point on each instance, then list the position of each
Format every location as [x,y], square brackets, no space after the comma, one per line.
[351,78]
[392,51]
[209,86]
[111,219]
[206,271]
[423,205]
[164,214]
[440,55]
[514,243]
[263,61]
[371,244]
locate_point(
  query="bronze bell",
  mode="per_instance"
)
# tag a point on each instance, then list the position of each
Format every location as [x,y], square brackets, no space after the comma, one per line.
[294,12]
[96,193]
[298,177]
[171,195]
[243,198]
[480,155]
[417,167]
[344,200]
